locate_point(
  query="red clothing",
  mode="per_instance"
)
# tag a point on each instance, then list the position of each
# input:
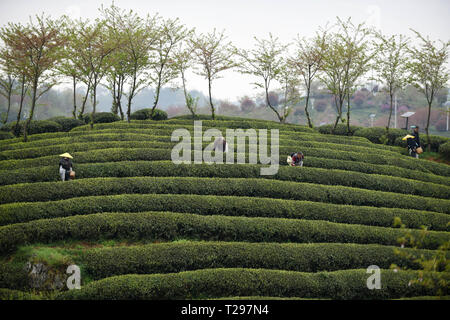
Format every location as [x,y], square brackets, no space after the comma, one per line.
[297,158]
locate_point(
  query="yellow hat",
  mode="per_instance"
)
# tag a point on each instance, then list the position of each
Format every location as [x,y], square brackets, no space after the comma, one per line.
[407,137]
[66,155]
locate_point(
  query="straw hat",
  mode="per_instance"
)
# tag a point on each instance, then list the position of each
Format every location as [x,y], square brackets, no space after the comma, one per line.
[66,155]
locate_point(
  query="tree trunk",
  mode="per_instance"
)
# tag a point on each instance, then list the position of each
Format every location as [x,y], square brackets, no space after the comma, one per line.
[186,97]
[83,105]
[119,96]
[336,123]
[210,100]
[74,98]
[130,98]
[129,109]
[156,99]
[158,88]
[9,107]
[114,108]
[428,125]
[390,114]
[94,103]
[308,90]
[33,105]
[22,97]
[268,102]
[339,112]
[348,113]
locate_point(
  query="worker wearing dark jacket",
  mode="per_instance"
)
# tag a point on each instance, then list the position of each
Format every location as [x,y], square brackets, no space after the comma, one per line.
[65,166]
[414,143]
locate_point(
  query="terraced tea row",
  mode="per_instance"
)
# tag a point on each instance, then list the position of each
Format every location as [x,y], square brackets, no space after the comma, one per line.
[171,257]
[309,149]
[118,154]
[168,169]
[169,226]
[152,132]
[284,144]
[347,284]
[219,205]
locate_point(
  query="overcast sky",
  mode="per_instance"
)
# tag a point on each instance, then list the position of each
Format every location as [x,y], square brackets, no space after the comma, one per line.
[244,19]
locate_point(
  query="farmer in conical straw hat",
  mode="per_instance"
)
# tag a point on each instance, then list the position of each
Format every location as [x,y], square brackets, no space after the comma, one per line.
[65,166]
[413,141]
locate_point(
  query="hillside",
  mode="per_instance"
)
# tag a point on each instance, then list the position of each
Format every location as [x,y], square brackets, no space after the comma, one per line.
[141,227]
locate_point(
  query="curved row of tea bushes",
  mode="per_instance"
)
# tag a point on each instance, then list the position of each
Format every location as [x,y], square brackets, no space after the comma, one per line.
[405,189]
[287,145]
[360,166]
[286,134]
[217,205]
[53,138]
[220,125]
[371,158]
[305,174]
[114,154]
[169,226]
[67,142]
[210,283]
[171,257]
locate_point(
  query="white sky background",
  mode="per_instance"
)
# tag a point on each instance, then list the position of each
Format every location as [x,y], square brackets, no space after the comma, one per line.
[242,20]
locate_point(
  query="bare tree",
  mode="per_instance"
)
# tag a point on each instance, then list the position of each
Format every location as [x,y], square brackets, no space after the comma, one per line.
[183,60]
[290,84]
[345,60]
[266,62]
[136,39]
[70,65]
[428,70]
[390,65]
[214,55]
[308,59]
[95,44]
[171,32]
[77,57]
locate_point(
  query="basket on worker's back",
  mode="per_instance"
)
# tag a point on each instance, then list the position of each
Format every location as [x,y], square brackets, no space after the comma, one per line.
[289,160]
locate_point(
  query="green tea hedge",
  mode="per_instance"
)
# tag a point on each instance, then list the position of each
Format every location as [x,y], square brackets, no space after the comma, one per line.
[18,143]
[399,161]
[6,135]
[100,118]
[221,125]
[285,146]
[376,134]
[67,124]
[211,283]
[113,153]
[444,150]
[171,257]
[36,126]
[210,205]
[146,114]
[163,226]
[329,177]
[341,129]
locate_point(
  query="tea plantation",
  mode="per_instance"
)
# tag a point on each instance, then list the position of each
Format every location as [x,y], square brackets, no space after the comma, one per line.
[141,227]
